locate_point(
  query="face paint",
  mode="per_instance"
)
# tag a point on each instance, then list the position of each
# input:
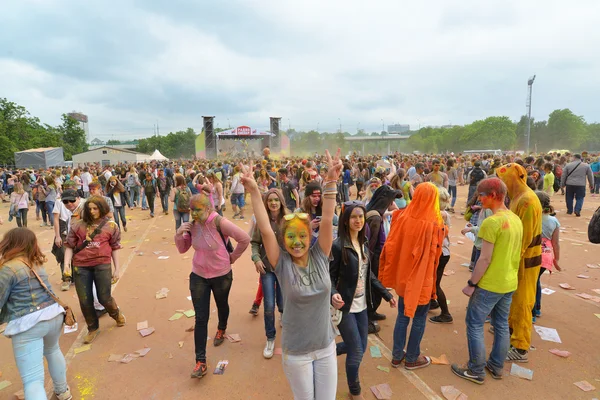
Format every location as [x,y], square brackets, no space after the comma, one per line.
[199,213]
[357,219]
[297,238]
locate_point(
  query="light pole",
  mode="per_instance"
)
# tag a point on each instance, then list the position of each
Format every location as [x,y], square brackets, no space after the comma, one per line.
[530,90]
[340,121]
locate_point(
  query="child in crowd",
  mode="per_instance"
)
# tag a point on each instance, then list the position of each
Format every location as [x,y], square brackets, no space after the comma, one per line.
[550,247]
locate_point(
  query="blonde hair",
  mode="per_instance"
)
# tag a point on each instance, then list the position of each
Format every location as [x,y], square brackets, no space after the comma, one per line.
[444,198]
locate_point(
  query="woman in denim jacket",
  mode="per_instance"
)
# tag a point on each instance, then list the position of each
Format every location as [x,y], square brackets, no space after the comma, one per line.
[34,319]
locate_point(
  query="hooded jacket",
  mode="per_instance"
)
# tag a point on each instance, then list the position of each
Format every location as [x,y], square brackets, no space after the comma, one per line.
[412,250]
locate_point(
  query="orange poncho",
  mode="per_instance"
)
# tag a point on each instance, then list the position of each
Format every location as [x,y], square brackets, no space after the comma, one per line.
[411,253]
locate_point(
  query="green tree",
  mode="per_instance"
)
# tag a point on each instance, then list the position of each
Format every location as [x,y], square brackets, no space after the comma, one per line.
[566,130]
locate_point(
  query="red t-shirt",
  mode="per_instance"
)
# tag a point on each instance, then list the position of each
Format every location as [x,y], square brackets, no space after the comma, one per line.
[99,250]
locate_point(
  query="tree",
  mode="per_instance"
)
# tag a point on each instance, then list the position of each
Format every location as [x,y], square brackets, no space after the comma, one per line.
[73,137]
[566,130]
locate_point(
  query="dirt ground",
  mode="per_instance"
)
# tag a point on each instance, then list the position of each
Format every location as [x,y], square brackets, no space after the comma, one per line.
[164,372]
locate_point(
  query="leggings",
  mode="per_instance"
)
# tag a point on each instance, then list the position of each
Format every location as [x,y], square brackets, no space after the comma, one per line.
[440,293]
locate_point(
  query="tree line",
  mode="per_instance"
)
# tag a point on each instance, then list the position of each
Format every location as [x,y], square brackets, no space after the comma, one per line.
[20,131]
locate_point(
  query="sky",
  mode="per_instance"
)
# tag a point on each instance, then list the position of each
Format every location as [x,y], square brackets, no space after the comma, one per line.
[316,64]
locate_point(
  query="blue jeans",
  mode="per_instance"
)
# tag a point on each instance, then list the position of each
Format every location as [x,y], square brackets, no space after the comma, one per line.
[49,209]
[134,195]
[481,304]
[354,329]
[144,202]
[180,218]
[346,192]
[164,200]
[578,192]
[30,348]
[596,185]
[472,190]
[85,278]
[452,190]
[416,332]
[120,212]
[271,296]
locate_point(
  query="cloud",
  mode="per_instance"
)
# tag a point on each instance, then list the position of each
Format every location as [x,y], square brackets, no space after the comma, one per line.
[312,62]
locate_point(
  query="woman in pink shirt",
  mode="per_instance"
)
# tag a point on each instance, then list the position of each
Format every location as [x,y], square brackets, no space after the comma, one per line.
[209,234]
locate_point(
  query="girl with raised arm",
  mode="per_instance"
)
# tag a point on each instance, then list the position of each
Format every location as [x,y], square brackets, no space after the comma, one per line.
[309,357]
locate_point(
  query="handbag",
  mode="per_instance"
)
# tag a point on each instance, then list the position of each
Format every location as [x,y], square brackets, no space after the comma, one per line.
[69,315]
[336,315]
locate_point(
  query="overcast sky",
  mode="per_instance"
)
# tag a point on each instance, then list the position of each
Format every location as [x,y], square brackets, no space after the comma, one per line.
[310,62]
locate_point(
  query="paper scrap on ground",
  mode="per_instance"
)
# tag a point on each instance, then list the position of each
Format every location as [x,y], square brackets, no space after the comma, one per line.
[234,337]
[464,265]
[452,393]
[115,357]
[278,350]
[449,272]
[127,359]
[548,291]
[375,351]
[83,348]
[5,384]
[581,276]
[596,291]
[584,296]
[593,266]
[441,360]
[176,316]
[220,370]
[180,344]
[142,325]
[548,334]
[163,257]
[566,286]
[189,313]
[585,386]
[521,372]
[576,244]
[597,315]
[158,252]
[384,369]
[162,293]
[382,391]
[560,353]
[70,329]
[143,352]
[147,332]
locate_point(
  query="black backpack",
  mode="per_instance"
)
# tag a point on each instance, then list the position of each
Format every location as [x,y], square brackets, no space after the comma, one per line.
[476,176]
[594,227]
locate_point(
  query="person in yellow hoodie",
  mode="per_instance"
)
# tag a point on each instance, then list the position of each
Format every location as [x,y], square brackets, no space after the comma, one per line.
[525,203]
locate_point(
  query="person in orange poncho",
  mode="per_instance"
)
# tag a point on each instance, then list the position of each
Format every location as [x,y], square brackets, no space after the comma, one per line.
[408,264]
[525,203]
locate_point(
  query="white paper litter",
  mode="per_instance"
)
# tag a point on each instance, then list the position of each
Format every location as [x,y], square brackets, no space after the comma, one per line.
[548,334]
[548,291]
[70,329]
[163,257]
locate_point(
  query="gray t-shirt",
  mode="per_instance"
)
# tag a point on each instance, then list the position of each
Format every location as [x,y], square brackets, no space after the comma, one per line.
[306,294]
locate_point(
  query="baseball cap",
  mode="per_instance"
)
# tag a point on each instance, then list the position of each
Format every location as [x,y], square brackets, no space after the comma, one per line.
[70,194]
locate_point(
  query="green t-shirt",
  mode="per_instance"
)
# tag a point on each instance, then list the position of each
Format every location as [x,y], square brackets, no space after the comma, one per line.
[549,182]
[505,230]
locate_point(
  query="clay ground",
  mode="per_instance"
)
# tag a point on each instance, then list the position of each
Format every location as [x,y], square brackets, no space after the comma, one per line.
[164,372]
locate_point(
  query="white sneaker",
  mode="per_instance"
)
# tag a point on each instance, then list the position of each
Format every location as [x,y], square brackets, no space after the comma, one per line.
[269,349]
[65,396]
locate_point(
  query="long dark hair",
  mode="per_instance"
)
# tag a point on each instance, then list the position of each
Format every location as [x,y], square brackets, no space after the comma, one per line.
[344,230]
[21,242]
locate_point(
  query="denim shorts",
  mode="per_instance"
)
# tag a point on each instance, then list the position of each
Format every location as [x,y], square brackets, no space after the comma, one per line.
[237,199]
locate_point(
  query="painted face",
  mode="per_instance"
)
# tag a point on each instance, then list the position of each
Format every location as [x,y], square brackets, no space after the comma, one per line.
[315,198]
[357,219]
[487,200]
[199,213]
[297,238]
[94,210]
[436,167]
[273,202]
[374,186]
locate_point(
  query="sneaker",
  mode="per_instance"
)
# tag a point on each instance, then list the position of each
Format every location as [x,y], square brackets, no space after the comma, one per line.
[240,217]
[465,373]
[577,214]
[65,286]
[397,362]
[235,216]
[91,336]
[441,319]
[533,319]
[125,228]
[43,224]
[219,337]
[422,362]
[120,319]
[151,215]
[493,373]
[516,355]
[537,313]
[66,395]
[433,305]
[377,317]
[199,370]
[374,327]
[254,309]
[269,349]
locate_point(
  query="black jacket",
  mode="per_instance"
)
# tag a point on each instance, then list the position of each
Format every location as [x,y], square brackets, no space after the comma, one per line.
[344,277]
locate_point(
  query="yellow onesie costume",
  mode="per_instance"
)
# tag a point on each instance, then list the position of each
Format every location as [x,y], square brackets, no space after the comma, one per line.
[525,203]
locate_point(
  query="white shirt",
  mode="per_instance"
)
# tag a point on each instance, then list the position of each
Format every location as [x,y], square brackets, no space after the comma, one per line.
[107,174]
[359,303]
[86,179]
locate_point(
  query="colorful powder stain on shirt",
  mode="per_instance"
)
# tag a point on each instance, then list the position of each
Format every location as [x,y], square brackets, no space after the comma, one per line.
[86,386]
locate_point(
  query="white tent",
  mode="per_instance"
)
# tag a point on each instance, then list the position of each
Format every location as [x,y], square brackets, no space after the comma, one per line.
[157,156]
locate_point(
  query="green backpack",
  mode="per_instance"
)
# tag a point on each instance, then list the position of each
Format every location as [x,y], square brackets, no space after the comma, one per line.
[182,200]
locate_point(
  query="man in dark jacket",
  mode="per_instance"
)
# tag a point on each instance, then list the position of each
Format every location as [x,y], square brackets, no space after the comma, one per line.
[382,199]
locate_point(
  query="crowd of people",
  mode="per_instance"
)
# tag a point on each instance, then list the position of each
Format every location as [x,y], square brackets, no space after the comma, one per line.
[324,259]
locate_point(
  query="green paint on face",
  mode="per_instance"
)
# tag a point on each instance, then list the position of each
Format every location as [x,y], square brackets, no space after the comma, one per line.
[199,213]
[297,238]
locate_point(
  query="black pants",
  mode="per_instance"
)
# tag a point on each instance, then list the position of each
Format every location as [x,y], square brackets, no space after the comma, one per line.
[375,295]
[42,208]
[440,293]
[22,217]
[200,289]
[85,277]
[150,197]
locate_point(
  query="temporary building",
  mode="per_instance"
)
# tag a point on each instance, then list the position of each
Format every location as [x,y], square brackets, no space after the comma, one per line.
[157,156]
[107,155]
[45,157]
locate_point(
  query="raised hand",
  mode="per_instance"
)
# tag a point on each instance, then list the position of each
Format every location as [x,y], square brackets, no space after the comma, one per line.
[335,165]
[247,178]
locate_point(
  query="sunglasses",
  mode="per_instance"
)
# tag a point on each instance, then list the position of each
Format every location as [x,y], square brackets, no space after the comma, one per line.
[289,217]
[68,201]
